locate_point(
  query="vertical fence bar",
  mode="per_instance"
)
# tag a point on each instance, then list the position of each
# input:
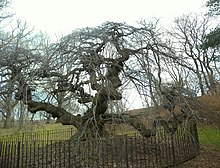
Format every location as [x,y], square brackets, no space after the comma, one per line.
[79,146]
[93,153]
[47,153]
[173,150]
[136,154]
[88,149]
[177,140]
[107,151]
[38,155]
[34,146]
[121,152]
[188,141]
[195,135]
[182,142]
[55,154]
[126,152]
[1,149]
[51,153]
[26,154]
[59,154]
[156,153]
[111,153]
[115,151]
[167,146]
[48,134]
[151,154]
[160,147]
[64,154]
[74,154]
[97,144]
[185,142]
[18,154]
[7,153]
[30,151]
[22,152]
[83,158]
[131,151]
[144,151]
[3,154]
[148,153]
[42,154]
[139,148]
[69,154]
[11,154]
[14,154]
[103,152]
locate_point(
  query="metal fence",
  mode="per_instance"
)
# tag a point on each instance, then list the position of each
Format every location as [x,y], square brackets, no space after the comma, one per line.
[163,150]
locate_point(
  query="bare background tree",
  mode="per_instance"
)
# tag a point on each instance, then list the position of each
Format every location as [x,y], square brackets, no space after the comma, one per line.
[188,33]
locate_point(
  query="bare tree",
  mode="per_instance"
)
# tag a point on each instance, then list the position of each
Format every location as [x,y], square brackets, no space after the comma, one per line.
[4,14]
[88,65]
[188,34]
[6,104]
[16,58]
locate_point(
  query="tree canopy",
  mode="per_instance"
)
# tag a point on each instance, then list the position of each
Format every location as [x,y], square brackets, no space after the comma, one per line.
[212,39]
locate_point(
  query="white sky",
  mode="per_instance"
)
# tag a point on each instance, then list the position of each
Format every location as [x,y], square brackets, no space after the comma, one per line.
[63,16]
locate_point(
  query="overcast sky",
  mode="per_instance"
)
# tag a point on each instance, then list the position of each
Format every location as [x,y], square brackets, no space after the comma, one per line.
[63,16]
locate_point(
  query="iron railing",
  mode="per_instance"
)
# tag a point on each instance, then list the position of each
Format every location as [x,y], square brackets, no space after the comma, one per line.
[163,150]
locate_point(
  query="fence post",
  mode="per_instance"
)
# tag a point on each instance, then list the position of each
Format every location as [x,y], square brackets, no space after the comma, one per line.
[195,132]
[126,151]
[48,132]
[196,137]
[1,148]
[173,150]
[18,154]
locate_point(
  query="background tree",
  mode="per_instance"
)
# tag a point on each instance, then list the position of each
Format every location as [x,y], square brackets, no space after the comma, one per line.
[6,104]
[212,38]
[147,71]
[17,56]
[214,7]
[188,34]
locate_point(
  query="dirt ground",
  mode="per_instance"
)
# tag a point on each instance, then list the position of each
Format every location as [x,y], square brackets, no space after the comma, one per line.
[208,158]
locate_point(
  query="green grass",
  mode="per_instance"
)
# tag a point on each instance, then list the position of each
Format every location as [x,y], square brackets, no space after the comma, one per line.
[34,128]
[209,136]
[38,132]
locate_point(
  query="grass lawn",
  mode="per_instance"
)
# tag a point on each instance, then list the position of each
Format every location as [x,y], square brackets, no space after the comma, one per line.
[209,136]
[34,128]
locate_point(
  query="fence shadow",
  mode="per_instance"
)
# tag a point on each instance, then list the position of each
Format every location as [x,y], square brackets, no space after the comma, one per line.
[163,150]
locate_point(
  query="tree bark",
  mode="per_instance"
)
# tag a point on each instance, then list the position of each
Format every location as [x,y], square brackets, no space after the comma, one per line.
[8,118]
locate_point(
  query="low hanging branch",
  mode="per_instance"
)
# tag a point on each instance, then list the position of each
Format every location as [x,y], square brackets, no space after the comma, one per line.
[132,121]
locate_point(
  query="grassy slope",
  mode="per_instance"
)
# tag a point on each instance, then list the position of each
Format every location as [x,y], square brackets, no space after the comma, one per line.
[34,128]
[209,131]
[209,136]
